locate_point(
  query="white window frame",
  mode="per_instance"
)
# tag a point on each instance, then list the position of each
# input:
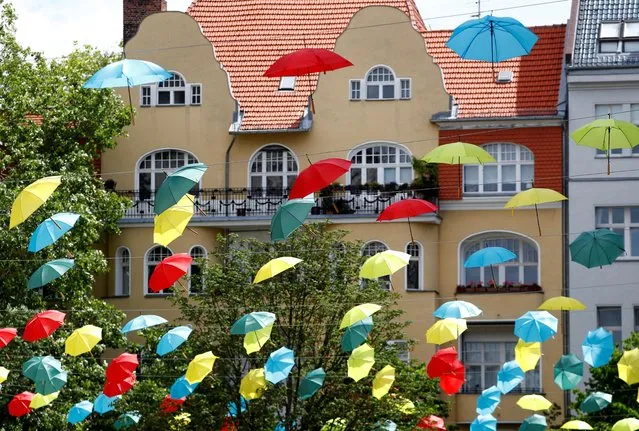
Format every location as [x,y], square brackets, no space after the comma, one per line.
[287,83]
[409,90]
[157,87]
[420,266]
[612,329]
[355,89]
[195,263]
[288,156]
[628,226]
[358,158]
[396,82]
[519,161]
[403,356]
[119,267]
[384,282]
[147,274]
[188,158]
[618,111]
[620,38]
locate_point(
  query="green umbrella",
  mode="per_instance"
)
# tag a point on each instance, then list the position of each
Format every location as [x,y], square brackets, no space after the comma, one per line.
[46,372]
[289,217]
[568,372]
[533,423]
[596,248]
[252,322]
[595,401]
[356,334]
[311,383]
[49,272]
[126,420]
[176,185]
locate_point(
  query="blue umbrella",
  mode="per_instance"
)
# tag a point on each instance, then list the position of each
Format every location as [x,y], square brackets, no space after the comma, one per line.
[598,347]
[142,322]
[79,412]
[385,426]
[457,310]
[484,423]
[311,383]
[489,256]
[279,365]
[103,404]
[488,400]
[50,230]
[356,334]
[536,326]
[534,423]
[173,339]
[231,407]
[252,322]
[595,401]
[181,388]
[509,376]
[491,39]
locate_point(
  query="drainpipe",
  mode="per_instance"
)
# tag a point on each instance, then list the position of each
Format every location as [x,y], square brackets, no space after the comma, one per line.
[227,172]
[566,242]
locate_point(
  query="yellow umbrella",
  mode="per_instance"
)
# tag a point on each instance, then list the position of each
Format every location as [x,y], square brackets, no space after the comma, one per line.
[445,330]
[527,354]
[405,406]
[39,400]
[534,403]
[384,263]
[31,198]
[274,267]
[562,303]
[4,373]
[534,196]
[383,381]
[253,384]
[255,340]
[171,223]
[628,366]
[82,340]
[200,367]
[627,424]
[360,362]
[358,313]
[576,425]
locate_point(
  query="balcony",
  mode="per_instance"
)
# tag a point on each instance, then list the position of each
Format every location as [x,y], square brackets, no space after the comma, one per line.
[504,288]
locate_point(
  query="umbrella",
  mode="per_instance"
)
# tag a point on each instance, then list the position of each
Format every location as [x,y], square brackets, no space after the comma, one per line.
[337,424]
[113,388]
[311,383]
[169,225]
[407,208]
[607,134]
[4,373]
[484,423]
[279,365]
[169,405]
[31,198]
[527,354]
[568,372]
[317,176]
[432,423]
[489,256]
[534,196]
[534,403]
[457,310]
[142,322]
[534,423]
[122,367]
[252,322]
[170,270]
[200,367]
[536,326]
[445,330]
[356,334]
[173,339]
[488,401]
[405,406]
[360,362]
[19,404]
[576,425]
[595,401]
[253,384]
[182,388]
[82,340]
[41,369]
[42,325]
[383,381]
[176,185]
[384,263]
[6,335]
[628,366]
[627,424]
[562,303]
[306,61]
[597,348]
[126,420]
[274,267]
[289,217]
[79,412]
[509,376]
[598,247]
[50,230]
[357,313]
[445,365]
[49,272]
[255,340]
[385,426]
[103,404]
[38,401]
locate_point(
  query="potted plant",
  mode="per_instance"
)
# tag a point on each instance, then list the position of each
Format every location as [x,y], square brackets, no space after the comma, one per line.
[425,183]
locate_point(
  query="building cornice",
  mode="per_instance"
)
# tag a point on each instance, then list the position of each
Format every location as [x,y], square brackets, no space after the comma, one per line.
[499,122]
[491,203]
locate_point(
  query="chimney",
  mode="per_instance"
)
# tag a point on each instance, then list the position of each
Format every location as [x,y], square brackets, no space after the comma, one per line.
[135,11]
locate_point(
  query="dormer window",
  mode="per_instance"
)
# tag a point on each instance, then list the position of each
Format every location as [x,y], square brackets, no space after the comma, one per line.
[380,83]
[619,37]
[287,83]
[174,91]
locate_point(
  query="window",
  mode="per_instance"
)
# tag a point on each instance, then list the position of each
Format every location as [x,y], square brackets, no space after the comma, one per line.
[152,259]
[605,112]
[382,164]
[196,94]
[404,88]
[174,91]
[153,169]
[371,248]
[273,170]
[514,171]
[380,83]
[195,272]
[146,95]
[401,347]
[610,319]
[414,275]
[122,272]
[522,270]
[625,222]
[287,83]
[619,37]
[356,89]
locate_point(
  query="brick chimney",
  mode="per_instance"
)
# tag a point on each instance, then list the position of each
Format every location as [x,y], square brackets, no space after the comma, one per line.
[135,11]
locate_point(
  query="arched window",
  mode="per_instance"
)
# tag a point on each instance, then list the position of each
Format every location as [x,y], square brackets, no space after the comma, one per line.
[382,164]
[380,83]
[414,275]
[273,169]
[195,272]
[153,169]
[174,91]
[152,259]
[522,270]
[371,248]
[514,171]
[122,272]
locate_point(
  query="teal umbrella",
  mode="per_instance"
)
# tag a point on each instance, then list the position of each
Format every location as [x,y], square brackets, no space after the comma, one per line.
[126,420]
[49,272]
[596,248]
[176,185]
[289,217]
[79,412]
[534,423]
[46,372]
[595,401]
[568,372]
[356,334]
[311,383]
[252,322]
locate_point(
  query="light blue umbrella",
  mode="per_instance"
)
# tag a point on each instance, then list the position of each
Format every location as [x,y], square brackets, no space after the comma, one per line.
[182,388]
[103,404]
[598,347]
[595,401]
[311,383]
[536,326]
[488,401]
[127,420]
[356,334]
[231,407]
[279,365]
[252,322]
[509,376]
[534,423]
[385,426]
[489,256]
[484,423]
[79,412]
[457,310]
[49,272]
[127,73]
[142,322]
[173,339]
[50,230]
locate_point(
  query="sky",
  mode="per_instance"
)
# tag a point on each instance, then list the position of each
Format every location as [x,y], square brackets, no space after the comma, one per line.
[52,26]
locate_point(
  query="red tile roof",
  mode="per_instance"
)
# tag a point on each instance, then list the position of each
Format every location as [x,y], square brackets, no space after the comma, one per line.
[534,89]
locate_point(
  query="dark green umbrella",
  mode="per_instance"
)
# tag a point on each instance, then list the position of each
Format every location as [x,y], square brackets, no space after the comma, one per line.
[176,185]
[595,401]
[289,217]
[534,423]
[311,383]
[356,334]
[46,372]
[596,248]
[568,372]
[126,420]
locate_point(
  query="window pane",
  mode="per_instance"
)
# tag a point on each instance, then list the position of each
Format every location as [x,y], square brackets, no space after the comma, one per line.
[144,185]
[618,215]
[274,183]
[412,275]
[471,178]
[601,215]
[389,91]
[610,29]
[490,375]
[256,182]
[620,231]
[608,47]
[530,274]
[164,97]
[527,176]
[389,176]
[609,316]
[405,175]
[631,46]
[371,175]
[472,352]
[631,29]
[473,379]
[634,214]
[508,178]
[512,274]
[490,178]
[634,241]
[372,91]
[356,176]
[178,97]
[473,275]
[491,353]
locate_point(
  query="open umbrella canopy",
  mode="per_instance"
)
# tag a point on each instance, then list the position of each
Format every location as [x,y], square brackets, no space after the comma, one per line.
[527,354]
[568,372]
[597,347]
[337,424]
[561,303]
[509,377]
[169,405]
[383,381]
[489,256]
[31,198]
[627,424]
[279,365]
[458,153]
[126,420]
[113,388]
[628,366]
[406,208]
[255,340]
[42,325]
[4,373]
[432,423]
[50,230]
[49,272]
[484,423]
[170,270]
[173,339]
[6,335]
[170,225]
[311,383]
[596,248]
[534,403]
[19,404]
[385,426]
[82,340]
[306,61]
[318,175]
[176,185]
[122,367]
[384,263]
[595,401]
[576,425]
[534,423]
[607,134]
[534,196]
[405,406]
[536,326]
[40,368]
[445,365]
[79,412]
[357,313]
[252,322]
[200,367]
[445,330]
[457,310]
[232,407]
[488,401]
[360,362]
[274,267]
[103,404]
[38,401]
[127,73]
[182,388]
[253,384]
[356,334]
[142,322]
[289,217]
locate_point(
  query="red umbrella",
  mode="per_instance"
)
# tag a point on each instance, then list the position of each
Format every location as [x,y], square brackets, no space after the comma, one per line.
[407,208]
[113,388]
[42,325]
[317,176]
[6,335]
[306,61]
[122,367]
[229,425]
[19,405]
[170,405]
[452,381]
[432,423]
[170,270]
[442,362]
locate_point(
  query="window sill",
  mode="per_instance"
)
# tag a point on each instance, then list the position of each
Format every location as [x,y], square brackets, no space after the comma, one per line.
[115,296]
[157,295]
[516,391]
[617,156]
[501,289]
[627,259]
